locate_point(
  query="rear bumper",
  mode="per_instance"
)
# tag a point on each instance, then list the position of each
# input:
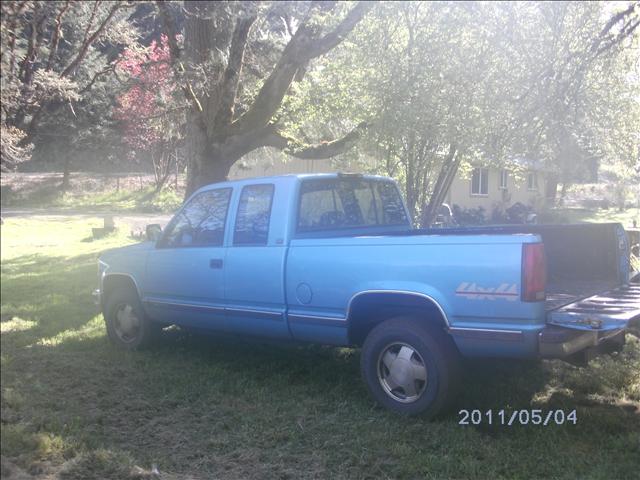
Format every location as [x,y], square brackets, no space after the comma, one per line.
[579,345]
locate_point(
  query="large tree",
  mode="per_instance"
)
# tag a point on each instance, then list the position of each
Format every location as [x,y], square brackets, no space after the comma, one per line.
[571,78]
[426,83]
[236,67]
[57,57]
[447,84]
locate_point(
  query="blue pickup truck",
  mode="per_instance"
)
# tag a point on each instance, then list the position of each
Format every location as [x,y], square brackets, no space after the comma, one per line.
[333,259]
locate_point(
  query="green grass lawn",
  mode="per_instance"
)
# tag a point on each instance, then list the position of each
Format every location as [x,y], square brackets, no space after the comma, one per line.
[50,196]
[601,215]
[75,407]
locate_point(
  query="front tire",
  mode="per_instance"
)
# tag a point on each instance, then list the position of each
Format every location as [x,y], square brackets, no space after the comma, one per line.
[128,326]
[410,367]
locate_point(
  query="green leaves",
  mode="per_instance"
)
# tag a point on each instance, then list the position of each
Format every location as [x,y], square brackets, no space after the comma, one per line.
[502,80]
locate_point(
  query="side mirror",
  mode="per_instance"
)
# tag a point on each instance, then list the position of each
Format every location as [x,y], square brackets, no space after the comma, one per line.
[153,232]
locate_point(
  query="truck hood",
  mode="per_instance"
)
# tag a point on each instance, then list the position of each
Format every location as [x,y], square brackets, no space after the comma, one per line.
[107,255]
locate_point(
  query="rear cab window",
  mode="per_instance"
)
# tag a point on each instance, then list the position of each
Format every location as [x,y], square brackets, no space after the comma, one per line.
[349,203]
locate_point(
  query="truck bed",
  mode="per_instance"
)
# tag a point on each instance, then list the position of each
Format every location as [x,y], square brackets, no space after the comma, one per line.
[582,259]
[564,292]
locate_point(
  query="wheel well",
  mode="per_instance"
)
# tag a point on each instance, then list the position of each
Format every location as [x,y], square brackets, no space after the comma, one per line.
[114,281]
[368,310]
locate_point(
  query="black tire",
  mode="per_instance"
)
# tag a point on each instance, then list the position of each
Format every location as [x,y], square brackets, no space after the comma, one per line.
[125,299]
[430,348]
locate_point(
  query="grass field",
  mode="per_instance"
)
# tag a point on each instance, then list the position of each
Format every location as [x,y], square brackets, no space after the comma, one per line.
[89,192]
[586,215]
[74,407]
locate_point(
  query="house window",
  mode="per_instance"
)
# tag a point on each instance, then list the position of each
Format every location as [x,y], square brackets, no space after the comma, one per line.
[480,181]
[503,178]
[532,181]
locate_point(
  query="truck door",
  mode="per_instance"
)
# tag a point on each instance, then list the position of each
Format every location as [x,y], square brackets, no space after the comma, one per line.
[254,266]
[184,281]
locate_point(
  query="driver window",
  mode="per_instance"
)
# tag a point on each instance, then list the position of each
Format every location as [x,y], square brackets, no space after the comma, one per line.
[254,212]
[201,222]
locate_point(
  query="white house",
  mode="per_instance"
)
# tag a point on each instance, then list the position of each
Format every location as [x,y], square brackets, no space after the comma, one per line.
[489,187]
[485,187]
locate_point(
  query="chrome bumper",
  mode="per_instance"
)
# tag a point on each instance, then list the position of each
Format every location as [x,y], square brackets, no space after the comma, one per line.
[564,343]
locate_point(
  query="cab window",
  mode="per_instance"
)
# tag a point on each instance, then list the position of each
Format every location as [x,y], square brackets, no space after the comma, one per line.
[329,204]
[200,223]
[253,217]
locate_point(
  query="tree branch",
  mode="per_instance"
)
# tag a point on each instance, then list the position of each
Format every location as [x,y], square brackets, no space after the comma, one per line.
[229,86]
[620,16]
[89,41]
[13,23]
[99,73]
[35,37]
[332,39]
[94,11]
[301,48]
[171,31]
[55,39]
[273,138]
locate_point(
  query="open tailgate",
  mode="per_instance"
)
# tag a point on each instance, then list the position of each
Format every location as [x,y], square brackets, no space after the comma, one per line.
[611,310]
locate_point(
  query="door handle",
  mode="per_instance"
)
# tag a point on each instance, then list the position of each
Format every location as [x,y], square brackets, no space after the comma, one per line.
[215,263]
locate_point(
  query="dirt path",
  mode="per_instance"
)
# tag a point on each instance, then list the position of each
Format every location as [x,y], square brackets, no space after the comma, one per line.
[134,220]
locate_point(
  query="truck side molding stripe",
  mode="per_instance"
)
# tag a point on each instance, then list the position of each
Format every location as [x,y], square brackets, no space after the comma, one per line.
[488,334]
[263,313]
[313,319]
[188,306]
[271,315]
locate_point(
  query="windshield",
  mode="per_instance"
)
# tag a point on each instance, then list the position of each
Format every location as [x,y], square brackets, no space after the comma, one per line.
[340,203]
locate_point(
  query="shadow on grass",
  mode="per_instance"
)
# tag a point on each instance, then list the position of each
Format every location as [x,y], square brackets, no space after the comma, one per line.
[46,190]
[223,406]
[53,292]
[47,193]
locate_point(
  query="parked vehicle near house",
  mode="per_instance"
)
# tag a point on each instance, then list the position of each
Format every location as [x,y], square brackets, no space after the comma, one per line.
[333,259]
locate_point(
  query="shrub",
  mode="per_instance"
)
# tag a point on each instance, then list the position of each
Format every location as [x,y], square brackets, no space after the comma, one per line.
[469,216]
[518,212]
[499,215]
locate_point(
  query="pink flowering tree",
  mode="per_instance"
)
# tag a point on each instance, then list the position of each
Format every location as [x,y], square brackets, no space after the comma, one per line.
[147,110]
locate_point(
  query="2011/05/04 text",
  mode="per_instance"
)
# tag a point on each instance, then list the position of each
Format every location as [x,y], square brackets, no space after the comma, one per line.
[517,417]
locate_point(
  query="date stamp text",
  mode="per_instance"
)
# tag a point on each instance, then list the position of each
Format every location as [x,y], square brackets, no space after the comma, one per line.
[517,417]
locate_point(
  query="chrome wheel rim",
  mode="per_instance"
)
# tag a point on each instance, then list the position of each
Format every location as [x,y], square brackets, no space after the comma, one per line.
[402,372]
[127,323]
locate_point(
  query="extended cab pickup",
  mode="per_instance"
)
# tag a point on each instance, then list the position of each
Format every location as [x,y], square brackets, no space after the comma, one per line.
[334,259]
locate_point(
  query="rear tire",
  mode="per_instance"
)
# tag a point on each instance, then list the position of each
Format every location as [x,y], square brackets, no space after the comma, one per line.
[128,326]
[410,367]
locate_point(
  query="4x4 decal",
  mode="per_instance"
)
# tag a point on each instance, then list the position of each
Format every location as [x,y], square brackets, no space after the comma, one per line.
[472,291]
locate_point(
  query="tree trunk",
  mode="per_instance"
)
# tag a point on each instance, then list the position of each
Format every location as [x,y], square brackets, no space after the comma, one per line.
[551,190]
[175,183]
[205,34]
[563,193]
[448,172]
[66,174]
[216,34]
[206,163]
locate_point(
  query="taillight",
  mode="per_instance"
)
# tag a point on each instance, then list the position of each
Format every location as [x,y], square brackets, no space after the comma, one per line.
[534,272]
